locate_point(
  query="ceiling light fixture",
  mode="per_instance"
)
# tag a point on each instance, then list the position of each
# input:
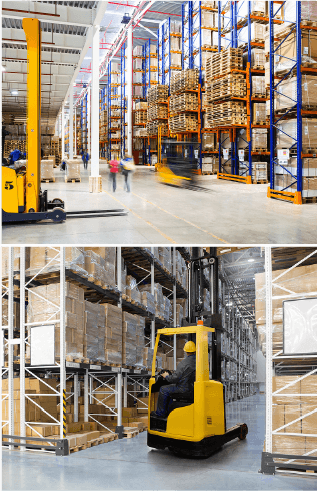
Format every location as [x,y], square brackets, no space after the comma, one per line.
[14,92]
[3,68]
[251,260]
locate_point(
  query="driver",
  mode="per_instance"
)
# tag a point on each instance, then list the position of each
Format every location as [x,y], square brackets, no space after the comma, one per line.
[180,382]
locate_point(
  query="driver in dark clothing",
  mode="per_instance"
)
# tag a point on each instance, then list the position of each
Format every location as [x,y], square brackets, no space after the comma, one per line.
[180,382]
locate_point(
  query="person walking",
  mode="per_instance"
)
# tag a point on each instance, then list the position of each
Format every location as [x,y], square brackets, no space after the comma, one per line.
[114,169]
[127,165]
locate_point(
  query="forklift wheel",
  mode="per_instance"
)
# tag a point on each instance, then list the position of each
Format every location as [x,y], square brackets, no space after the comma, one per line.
[57,215]
[57,201]
[243,432]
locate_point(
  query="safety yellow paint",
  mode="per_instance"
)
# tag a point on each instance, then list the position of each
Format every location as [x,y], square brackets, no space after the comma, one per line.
[181,422]
[32,29]
[21,189]
[9,190]
[205,417]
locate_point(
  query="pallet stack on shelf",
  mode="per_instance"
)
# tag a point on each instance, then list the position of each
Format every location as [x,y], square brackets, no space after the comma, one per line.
[184,103]
[157,116]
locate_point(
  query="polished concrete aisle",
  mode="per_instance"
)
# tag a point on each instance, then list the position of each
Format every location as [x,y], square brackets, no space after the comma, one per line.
[130,464]
[158,214]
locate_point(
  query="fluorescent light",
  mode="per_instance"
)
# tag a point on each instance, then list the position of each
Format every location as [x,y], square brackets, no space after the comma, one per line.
[251,260]
[14,92]
[3,68]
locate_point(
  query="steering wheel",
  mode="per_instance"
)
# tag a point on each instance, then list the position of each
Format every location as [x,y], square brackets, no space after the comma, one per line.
[159,375]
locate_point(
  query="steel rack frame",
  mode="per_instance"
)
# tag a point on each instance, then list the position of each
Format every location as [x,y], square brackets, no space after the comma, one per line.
[79,371]
[123,100]
[238,347]
[287,193]
[271,461]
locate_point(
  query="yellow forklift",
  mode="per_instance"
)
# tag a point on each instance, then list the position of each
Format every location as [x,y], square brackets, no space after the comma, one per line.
[22,198]
[196,423]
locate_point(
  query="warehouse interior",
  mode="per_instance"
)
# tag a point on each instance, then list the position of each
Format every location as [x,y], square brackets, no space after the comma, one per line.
[214,101]
[88,332]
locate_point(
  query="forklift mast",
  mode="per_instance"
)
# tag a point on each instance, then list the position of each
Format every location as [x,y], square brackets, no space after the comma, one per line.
[196,309]
[32,29]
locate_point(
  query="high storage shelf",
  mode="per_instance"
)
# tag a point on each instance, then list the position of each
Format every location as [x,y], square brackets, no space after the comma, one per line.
[291,399]
[238,349]
[292,192]
[141,264]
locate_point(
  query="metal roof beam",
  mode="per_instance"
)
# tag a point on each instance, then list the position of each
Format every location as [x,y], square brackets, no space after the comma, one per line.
[50,13]
[55,39]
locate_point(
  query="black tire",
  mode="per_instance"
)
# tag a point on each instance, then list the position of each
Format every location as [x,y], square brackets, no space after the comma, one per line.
[58,201]
[57,215]
[243,432]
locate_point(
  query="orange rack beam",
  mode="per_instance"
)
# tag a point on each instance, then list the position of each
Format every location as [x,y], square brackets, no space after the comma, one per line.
[233,177]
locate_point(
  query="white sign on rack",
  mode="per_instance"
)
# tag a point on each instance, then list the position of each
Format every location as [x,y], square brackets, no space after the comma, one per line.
[225,153]
[43,345]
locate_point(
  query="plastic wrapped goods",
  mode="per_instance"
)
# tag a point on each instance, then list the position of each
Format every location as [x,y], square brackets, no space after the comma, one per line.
[73,169]
[258,86]
[148,300]
[257,58]
[257,33]
[48,258]
[140,340]
[286,137]
[113,333]
[47,170]
[165,257]
[129,329]
[259,112]
[99,271]
[148,357]
[132,290]
[95,319]
[167,309]
[285,55]
[259,139]
[287,92]
[43,302]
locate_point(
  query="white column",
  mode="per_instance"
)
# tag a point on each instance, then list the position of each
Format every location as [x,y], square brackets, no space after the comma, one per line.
[95,103]
[71,116]
[129,88]
[75,135]
[86,396]
[174,304]
[119,398]
[76,393]
[22,344]
[63,132]
[62,346]
[269,354]
[10,343]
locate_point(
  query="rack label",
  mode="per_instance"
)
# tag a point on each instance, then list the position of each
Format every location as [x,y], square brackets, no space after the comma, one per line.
[71,364]
[95,367]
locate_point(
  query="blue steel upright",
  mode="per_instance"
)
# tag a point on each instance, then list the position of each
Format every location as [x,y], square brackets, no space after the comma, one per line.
[299,97]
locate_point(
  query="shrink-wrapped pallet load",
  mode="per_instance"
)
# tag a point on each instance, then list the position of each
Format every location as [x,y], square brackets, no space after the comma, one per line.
[72,170]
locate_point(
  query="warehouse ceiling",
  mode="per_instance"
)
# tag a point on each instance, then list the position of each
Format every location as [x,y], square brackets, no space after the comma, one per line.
[66,51]
[238,269]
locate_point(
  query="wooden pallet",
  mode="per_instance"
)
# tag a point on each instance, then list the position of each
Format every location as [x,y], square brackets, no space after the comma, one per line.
[309,199]
[52,179]
[69,179]
[260,181]
[208,173]
[130,432]
[259,149]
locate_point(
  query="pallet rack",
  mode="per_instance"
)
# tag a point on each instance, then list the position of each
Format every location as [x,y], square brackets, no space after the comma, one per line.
[116,101]
[83,144]
[296,149]
[294,364]
[143,267]
[230,22]
[238,348]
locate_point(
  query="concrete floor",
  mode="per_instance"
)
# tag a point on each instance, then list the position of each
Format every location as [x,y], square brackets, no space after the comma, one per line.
[229,213]
[130,464]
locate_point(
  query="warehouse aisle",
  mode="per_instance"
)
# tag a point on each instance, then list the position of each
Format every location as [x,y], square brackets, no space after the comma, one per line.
[158,214]
[130,464]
